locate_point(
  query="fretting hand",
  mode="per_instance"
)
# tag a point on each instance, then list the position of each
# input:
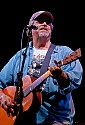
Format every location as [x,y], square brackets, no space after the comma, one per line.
[59,74]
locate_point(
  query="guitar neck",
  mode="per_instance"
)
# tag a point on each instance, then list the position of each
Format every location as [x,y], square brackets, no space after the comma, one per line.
[36,83]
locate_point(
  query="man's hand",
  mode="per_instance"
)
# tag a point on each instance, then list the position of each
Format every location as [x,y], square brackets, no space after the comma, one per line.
[56,71]
[59,74]
[6,103]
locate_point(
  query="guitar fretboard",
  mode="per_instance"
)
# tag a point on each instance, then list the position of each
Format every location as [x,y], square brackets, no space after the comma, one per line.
[36,83]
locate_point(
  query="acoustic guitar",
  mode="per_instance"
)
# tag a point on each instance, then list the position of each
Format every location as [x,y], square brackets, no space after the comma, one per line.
[29,85]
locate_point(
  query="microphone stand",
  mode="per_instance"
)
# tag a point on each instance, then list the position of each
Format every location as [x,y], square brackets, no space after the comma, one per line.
[19,90]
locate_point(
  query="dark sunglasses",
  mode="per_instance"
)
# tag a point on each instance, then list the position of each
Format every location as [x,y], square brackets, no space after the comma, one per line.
[43,18]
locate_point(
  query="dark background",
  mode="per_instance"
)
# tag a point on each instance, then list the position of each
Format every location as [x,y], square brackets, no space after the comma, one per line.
[68,30]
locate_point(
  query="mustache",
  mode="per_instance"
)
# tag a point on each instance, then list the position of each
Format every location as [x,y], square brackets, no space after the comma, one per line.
[44,27]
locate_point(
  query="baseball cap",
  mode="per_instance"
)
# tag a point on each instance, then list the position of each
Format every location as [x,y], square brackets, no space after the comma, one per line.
[38,14]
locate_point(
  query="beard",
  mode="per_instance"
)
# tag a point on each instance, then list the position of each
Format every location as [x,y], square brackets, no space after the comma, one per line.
[44,34]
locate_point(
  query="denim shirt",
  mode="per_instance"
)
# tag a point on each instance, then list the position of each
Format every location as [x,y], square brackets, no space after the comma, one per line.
[57,102]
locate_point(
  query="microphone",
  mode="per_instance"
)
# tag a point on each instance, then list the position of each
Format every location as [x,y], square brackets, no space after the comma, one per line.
[30,27]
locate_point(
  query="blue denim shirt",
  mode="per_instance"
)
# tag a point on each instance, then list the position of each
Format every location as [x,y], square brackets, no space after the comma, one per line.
[58,103]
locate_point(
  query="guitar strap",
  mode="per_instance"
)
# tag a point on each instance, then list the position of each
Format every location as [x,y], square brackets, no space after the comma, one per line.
[45,65]
[38,96]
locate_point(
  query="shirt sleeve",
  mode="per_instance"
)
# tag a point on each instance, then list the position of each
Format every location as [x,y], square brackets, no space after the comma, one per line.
[74,71]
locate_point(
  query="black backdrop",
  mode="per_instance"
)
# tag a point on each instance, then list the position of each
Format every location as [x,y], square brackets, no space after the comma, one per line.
[68,30]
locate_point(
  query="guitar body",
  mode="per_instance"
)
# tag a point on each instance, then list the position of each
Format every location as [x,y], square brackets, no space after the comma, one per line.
[26,103]
[5,119]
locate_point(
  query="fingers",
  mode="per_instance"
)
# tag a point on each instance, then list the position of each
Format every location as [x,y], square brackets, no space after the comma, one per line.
[6,103]
[55,71]
[55,61]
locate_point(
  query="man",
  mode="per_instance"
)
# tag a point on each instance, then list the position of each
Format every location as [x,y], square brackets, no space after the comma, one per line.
[56,107]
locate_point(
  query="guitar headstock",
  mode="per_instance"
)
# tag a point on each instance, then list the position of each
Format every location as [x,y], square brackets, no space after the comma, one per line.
[70,58]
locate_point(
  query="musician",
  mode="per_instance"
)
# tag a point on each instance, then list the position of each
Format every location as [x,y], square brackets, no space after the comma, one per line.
[56,106]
